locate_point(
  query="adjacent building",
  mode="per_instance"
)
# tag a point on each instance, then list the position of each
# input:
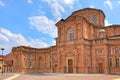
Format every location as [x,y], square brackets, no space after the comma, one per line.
[84,45]
[1,63]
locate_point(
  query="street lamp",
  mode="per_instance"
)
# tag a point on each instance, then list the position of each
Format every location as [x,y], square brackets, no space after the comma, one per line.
[2,58]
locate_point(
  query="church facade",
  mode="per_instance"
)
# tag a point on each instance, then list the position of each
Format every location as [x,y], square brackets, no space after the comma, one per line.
[84,45]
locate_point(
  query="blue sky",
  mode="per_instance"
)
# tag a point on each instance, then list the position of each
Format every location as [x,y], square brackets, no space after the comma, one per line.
[32,22]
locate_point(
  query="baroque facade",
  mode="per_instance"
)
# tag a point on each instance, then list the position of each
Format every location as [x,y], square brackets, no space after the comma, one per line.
[84,45]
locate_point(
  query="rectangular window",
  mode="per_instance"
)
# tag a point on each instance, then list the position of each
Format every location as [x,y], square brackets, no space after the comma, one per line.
[30,56]
[101,35]
[110,50]
[100,51]
[117,62]
[26,55]
[30,64]
[110,62]
[50,64]
[116,50]
[26,63]
[71,36]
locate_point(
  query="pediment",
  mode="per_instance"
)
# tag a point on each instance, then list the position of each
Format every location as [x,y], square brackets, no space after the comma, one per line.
[70,18]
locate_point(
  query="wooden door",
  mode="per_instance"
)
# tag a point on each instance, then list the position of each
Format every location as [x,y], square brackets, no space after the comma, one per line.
[100,67]
[70,65]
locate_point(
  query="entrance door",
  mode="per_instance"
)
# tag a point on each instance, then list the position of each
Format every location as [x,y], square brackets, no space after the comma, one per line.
[70,65]
[100,67]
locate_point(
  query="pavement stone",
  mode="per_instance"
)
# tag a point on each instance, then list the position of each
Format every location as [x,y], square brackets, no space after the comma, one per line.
[62,76]
[5,75]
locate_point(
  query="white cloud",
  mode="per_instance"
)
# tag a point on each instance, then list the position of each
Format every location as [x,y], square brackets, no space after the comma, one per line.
[17,38]
[4,38]
[1,3]
[68,1]
[29,1]
[119,2]
[54,42]
[58,6]
[38,43]
[9,40]
[107,23]
[91,6]
[44,25]
[57,9]
[108,3]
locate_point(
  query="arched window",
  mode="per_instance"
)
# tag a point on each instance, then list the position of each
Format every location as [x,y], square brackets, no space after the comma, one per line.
[102,31]
[70,35]
[101,34]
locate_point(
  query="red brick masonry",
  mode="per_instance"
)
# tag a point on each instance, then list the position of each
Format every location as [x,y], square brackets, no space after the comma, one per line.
[84,45]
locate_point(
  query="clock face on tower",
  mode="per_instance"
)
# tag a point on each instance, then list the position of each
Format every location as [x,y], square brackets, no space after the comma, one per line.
[94,19]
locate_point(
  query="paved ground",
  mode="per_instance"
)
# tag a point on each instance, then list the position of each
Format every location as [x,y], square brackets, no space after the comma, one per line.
[6,75]
[57,76]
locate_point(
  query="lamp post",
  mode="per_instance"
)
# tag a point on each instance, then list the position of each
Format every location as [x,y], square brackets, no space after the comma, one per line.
[2,58]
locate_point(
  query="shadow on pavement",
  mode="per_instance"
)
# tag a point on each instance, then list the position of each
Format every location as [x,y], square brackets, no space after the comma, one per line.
[43,74]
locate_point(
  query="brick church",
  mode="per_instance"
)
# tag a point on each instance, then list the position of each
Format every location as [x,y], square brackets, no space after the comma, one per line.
[84,45]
